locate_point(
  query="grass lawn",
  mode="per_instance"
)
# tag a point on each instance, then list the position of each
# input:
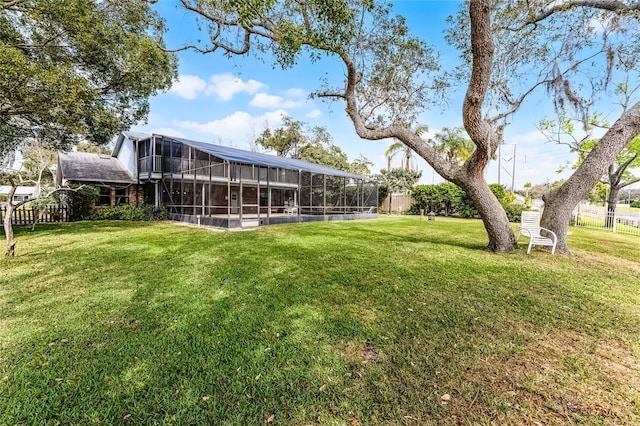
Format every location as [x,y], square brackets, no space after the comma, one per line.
[388,321]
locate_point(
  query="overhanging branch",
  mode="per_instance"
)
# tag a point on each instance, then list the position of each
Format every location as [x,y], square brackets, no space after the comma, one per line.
[609,5]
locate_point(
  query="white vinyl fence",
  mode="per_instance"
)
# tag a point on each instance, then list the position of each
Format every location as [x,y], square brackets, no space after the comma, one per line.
[622,221]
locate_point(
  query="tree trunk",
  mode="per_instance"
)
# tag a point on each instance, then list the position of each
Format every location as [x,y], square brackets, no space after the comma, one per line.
[560,203]
[612,203]
[471,176]
[8,226]
[496,222]
[556,217]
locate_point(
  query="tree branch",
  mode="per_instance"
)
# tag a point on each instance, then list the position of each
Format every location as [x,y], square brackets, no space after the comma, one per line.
[609,5]
[8,4]
[616,175]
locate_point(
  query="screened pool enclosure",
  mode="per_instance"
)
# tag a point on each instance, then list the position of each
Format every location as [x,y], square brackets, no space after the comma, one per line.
[228,187]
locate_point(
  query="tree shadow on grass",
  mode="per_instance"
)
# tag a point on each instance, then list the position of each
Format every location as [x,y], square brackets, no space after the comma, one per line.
[309,326]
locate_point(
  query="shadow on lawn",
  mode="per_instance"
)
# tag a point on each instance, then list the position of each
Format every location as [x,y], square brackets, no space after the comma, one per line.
[420,231]
[309,325]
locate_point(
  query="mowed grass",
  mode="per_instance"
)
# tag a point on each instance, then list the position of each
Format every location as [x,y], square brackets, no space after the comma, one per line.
[387,321]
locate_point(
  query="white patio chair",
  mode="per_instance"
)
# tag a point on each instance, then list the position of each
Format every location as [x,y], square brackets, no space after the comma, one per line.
[530,227]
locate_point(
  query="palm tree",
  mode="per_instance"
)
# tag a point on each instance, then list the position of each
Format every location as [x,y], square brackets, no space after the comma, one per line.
[451,142]
[398,146]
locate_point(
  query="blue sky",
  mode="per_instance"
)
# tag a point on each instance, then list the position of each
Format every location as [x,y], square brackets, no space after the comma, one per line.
[229,101]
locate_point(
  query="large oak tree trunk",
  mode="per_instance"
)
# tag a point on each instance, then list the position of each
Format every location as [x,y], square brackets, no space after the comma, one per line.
[484,136]
[496,222]
[560,203]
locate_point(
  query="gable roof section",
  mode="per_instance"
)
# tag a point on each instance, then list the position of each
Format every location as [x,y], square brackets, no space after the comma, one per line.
[86,167]
[20,190]
[262,159]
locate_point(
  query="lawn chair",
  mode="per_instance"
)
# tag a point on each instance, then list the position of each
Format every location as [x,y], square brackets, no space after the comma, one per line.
[530,227]
[291,211]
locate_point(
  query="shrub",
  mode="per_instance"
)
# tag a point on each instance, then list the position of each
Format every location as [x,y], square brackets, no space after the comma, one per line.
[635,204]
[444,198]
[383,192]
[80,201]
[144,212]
[514,211]
[447,198]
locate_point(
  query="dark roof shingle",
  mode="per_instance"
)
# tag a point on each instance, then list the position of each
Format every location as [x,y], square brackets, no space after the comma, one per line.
[87,167]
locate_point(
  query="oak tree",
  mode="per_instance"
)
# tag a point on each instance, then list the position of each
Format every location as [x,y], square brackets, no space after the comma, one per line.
[77,70]
[509,49]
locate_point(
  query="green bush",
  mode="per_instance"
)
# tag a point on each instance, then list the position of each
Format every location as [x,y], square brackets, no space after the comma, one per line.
[514,211]
[383,192]
[635,204]
[444,198]
[80,201]
[144,212]
[447,198]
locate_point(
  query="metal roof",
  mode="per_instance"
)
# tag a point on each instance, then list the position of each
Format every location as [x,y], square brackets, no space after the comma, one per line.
[262,159]
[249,157]
[87,167]
[20,190]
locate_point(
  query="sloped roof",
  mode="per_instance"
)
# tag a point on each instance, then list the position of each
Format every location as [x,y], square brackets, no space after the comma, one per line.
[20,190]
[86,167]
[262,159]
[250,157]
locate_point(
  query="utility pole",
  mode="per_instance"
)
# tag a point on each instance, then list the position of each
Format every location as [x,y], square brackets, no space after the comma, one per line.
[507,159]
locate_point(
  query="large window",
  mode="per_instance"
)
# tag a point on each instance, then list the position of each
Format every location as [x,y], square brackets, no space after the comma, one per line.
[104,196]
[122,196]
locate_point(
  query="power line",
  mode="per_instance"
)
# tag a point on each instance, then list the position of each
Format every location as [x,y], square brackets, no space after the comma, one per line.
[507,158]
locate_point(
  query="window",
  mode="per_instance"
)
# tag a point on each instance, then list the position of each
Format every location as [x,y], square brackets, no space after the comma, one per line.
[104,196]
[176,149]
[122,196]
[144,148]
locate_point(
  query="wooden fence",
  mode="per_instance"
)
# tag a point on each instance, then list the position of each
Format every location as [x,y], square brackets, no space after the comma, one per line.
[30,215]
[396,203]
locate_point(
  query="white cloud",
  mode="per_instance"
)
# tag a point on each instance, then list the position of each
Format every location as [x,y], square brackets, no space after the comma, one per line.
[235,126]
[314,114]
[226,85]
[263,100]
[188,86]
[295,93]
[533,137]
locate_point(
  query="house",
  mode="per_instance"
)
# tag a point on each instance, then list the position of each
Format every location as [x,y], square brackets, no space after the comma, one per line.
[22,193]
[217,185]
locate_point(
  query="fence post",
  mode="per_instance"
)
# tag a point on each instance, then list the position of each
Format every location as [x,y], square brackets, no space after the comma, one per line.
[614,221]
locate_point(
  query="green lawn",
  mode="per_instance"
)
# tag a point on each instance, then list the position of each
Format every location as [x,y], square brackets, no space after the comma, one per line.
[388,321]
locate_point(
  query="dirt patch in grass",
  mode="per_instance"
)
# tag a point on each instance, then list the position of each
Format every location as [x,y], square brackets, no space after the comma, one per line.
[362,353]
[559,381]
